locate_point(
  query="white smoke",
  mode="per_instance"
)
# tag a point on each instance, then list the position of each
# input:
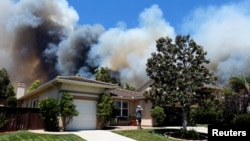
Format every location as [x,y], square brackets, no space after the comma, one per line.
[127,50]
[224,33]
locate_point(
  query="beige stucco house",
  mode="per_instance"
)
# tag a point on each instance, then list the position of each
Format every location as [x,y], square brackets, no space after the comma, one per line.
[128,101]
[86,93]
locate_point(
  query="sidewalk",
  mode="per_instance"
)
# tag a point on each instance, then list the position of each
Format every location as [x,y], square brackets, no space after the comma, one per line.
[196,128]
[107,135]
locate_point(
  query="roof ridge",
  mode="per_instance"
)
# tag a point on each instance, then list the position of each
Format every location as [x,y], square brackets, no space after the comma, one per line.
[78,78]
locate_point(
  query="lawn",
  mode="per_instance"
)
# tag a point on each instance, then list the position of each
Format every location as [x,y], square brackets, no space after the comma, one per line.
[28,136]
[145,134]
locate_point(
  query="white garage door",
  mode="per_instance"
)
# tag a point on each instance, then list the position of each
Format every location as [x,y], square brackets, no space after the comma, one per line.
[87,116]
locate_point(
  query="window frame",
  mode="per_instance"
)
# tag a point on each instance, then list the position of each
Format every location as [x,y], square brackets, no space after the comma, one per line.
[121,108]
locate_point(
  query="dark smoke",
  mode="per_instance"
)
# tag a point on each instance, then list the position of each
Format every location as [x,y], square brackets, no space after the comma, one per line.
[42,40]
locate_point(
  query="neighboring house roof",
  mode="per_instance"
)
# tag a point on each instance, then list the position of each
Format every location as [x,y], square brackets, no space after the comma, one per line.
[126,94]
[145,85]
[72,80]
[119,93]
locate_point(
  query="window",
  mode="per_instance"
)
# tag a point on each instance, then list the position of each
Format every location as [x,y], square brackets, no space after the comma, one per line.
[122,108]
[35,103]
[27,104]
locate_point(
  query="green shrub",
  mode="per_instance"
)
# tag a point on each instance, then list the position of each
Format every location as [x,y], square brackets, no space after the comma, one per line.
[11,101]
[243,119]
[208,116]
[189,134]
[158,113]
[67,109]
[49,110]
[106,109]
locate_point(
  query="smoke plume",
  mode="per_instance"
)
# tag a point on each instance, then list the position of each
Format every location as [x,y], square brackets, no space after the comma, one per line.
[223,32]
[127,50]
[41,39]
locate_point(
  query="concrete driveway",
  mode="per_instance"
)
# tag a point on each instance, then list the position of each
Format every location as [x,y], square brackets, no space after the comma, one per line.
[107,135]
[101,135]
[93,135]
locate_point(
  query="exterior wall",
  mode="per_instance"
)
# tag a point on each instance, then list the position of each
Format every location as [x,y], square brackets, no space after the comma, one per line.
[147,106]
[81,88]
[49,93]
[132,107]
[146,116]
[33,101]
[55,91]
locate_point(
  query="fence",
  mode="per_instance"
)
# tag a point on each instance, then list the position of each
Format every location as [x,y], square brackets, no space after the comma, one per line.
[14,119]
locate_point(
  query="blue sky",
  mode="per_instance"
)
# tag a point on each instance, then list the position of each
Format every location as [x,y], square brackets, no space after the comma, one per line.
[110,12]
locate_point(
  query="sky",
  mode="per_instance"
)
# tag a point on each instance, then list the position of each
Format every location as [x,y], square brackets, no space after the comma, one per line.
[110,13]
[41,39]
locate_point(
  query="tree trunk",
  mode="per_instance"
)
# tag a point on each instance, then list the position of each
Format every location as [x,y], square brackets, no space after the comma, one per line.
[184,118]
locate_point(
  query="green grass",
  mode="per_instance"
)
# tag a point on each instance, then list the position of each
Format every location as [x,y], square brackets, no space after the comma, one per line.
[145,134]
[202,125]
[28,136]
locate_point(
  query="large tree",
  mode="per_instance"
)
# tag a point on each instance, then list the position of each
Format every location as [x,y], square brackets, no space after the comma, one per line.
[104,74]
[6,88]
[241,85]
[178,70]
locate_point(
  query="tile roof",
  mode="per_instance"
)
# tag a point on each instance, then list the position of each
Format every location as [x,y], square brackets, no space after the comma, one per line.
[122,93]
[82,79]
[145,85]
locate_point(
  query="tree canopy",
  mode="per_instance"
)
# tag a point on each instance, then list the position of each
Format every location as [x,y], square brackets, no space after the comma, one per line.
[178,70]
[6,88]
[34,85]
[51,108]
[241,85]
[104,74]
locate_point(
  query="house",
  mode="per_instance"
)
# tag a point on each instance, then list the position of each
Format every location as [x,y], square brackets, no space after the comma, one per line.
[86,93]
[127,102]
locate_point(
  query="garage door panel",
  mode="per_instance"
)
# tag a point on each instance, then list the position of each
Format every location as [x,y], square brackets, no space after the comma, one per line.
[87,116]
